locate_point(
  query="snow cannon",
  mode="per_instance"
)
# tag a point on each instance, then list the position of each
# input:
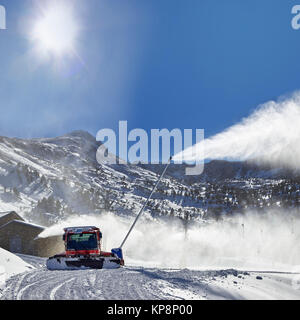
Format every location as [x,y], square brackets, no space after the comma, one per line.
[117,252]
[83,251]
[83,245]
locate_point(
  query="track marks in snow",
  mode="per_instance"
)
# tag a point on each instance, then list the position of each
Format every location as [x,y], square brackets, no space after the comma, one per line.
[137,283]
[53,291]
[20,293]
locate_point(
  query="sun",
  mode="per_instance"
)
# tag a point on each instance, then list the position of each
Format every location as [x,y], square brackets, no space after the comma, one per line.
[55,30]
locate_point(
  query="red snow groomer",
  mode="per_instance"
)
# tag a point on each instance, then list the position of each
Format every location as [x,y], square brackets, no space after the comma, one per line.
[83,245]
[83,250]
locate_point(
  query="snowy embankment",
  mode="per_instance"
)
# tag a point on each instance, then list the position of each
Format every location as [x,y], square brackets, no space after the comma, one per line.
[138,283]
[11,265]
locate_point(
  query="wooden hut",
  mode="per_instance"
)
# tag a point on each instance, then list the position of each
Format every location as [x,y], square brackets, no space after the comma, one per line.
[18,236]
[5,217]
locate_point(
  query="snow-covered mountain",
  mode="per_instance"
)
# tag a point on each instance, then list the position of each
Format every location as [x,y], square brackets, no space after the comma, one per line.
[52,178]
[219,170]
[48,179]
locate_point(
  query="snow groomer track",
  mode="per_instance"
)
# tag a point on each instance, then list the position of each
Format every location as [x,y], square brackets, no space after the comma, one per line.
[139,283]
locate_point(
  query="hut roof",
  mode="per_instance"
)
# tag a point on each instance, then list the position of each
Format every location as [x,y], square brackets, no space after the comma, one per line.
[26,224]
[6,213]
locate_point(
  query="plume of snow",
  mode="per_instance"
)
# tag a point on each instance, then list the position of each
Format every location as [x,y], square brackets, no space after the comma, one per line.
[249,241]
[271,135]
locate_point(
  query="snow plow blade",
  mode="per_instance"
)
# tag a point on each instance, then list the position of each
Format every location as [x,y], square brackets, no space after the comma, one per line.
[66,263]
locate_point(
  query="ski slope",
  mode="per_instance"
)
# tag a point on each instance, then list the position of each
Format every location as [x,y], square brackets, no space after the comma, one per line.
[138,283]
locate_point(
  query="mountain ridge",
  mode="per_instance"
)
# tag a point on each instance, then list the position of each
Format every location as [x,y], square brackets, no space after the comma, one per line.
[49,179]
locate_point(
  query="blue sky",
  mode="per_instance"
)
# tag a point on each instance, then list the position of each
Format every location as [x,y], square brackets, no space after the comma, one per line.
[157,64]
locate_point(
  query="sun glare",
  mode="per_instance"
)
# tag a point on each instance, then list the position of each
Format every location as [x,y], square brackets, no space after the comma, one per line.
[55,30]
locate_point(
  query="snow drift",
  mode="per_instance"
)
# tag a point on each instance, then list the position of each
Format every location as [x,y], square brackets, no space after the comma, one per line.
[251,241]
[11,265]
[270,135]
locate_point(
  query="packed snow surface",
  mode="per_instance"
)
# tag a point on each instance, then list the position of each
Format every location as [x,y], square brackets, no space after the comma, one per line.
[139,283]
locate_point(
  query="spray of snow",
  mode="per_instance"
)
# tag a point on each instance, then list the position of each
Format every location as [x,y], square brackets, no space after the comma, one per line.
[271,135]
[250,241]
